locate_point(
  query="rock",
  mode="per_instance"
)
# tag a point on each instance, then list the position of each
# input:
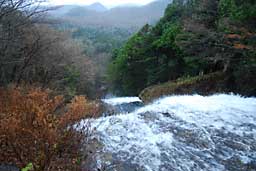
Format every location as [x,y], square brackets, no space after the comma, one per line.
[203,85]
[6,167]
[122,108]
[236,164]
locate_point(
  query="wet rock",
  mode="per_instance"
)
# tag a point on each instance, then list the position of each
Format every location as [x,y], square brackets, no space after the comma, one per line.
[236,164]
[121,108]
[236,145]
[5,167]
[92,149]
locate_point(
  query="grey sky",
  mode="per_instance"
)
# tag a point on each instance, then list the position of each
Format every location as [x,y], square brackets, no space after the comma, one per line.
[108,3]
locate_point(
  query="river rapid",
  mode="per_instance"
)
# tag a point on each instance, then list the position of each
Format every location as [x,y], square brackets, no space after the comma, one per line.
[178,133]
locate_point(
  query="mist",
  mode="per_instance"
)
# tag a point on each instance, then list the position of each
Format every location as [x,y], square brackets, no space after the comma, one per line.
[107,3]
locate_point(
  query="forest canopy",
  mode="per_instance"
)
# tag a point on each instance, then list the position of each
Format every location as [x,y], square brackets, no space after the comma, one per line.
[193,38]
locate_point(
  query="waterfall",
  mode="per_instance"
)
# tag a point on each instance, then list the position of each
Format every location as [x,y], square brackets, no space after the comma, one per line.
[181,133]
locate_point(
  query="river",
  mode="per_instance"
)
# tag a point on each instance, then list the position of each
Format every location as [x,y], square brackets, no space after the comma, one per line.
[178,133]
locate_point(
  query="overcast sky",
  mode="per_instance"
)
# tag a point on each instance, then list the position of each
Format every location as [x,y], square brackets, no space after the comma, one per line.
[108,3]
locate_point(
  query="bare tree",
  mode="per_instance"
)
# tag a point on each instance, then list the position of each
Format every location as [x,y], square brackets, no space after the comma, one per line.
[32,52]
[15,19]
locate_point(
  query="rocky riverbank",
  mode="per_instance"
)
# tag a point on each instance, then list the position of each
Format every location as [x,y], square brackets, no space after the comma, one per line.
[203,85]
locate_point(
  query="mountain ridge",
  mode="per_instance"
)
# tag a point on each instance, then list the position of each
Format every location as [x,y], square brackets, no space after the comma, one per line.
[96,7]
[122,16]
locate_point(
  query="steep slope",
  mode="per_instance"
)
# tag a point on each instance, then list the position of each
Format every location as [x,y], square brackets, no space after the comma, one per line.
[193,38]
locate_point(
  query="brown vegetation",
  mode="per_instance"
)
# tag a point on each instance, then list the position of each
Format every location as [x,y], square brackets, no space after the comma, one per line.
[33,52]
[205,85]
[37,127]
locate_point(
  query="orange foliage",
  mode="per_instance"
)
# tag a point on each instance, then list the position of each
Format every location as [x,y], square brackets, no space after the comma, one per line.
[233,36]
[33,128]
[241,46]
[76,110]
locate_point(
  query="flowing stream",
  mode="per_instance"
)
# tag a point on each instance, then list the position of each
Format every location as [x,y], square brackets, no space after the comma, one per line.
[179,133]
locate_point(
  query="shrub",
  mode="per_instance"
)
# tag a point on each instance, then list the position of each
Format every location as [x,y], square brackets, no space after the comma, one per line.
[37,127]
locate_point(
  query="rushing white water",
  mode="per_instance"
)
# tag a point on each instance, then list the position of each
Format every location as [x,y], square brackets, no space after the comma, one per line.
[121,100]
[219,111]
[183,133]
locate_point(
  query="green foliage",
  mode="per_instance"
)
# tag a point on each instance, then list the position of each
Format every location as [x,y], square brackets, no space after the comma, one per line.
[149,57]
[101,40]
[194,65]
[29,167]
[186,43]
[167,39]
[237,9]
[244,75]
[123,72]
[71,80]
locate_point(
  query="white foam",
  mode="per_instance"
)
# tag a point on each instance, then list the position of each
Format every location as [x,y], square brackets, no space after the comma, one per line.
[144,137]
[121,100]
[131,136]
[221,110]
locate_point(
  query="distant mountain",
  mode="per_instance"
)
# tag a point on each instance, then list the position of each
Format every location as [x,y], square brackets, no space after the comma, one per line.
[97,7]
[76,10]
[80,11]
[60,10]
[137,16]
[122,16]
[128,5]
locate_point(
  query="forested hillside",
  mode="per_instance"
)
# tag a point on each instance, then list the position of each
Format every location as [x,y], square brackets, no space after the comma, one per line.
[99,31]
[97,44]
[32,52]
[194,38]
